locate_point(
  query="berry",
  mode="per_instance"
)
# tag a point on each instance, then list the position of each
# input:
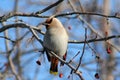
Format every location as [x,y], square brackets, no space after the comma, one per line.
[38,62]
[108,50]
[69,27]
[60,75]
[97,76]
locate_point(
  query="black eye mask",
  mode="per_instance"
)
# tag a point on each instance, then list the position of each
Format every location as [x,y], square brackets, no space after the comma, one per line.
[49,20]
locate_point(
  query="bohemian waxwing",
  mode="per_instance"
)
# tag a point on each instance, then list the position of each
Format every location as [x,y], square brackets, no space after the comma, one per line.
[56,40]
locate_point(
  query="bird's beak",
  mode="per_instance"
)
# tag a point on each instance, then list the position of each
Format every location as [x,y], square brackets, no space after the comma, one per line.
[46,24]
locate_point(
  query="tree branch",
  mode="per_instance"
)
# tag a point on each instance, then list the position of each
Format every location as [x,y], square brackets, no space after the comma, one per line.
[49,7]
[23,25]
[13,14]
[36,14]
[82,51]
[7,39]
[69,65]
[88,13]
[95,40]
[90,26]
[13,69]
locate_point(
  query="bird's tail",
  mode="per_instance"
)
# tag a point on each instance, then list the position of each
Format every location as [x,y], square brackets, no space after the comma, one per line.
[54,66]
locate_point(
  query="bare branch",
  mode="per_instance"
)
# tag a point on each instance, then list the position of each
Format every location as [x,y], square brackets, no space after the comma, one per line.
[74,56]
[49,7]
[23,25]
[68,64]
[35,35]
[13,69]
[82,51]
[7,39]
[36,14]
[95,40]
[9,58]
[91,27]
[88,13]
[13,14]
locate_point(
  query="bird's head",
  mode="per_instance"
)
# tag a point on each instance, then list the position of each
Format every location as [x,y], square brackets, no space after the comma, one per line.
[52,22]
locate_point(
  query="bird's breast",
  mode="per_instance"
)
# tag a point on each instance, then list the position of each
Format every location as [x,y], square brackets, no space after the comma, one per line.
[56,41]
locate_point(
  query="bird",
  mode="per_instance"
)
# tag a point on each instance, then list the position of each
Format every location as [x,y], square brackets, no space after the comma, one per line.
[56,40]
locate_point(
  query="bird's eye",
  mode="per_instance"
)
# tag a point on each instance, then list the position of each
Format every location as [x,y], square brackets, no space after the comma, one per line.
[49,20]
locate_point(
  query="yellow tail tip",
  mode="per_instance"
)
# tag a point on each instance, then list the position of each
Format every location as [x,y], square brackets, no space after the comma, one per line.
[54,73]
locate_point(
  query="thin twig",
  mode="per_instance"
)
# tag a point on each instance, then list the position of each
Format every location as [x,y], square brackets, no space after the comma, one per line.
[35,35]
[13,41]
[74,57]
[13,14]
[81,7]
[5,17]
[49,7]
[23,25]
[9,58]
[95,40]
[82,51]
[13,69]
[68,64]
[7,39]
[91,27]
[87,13]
